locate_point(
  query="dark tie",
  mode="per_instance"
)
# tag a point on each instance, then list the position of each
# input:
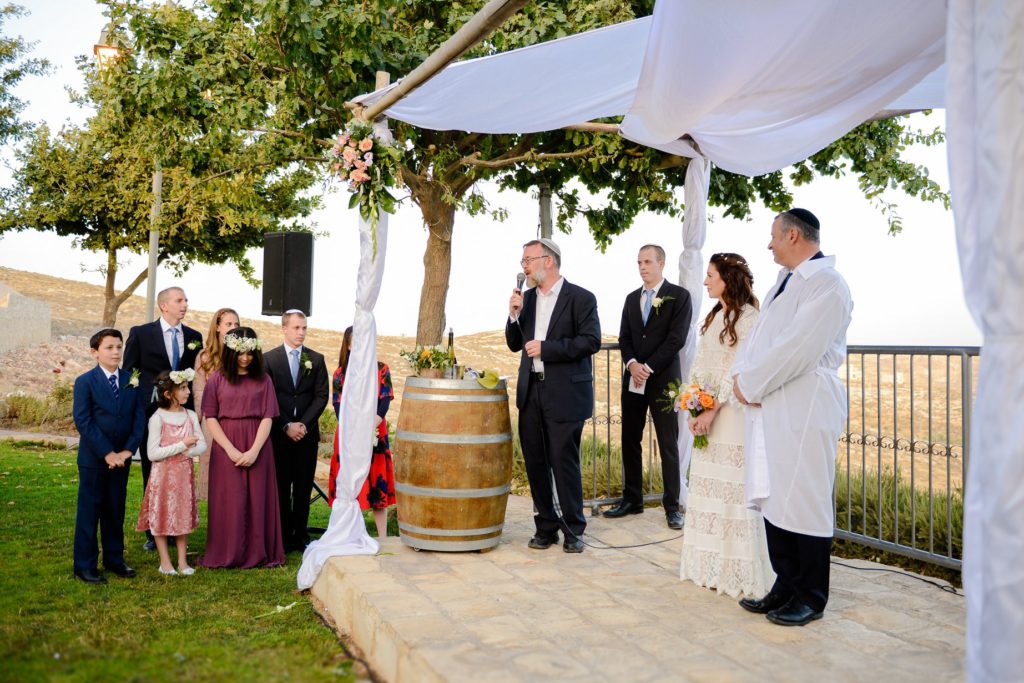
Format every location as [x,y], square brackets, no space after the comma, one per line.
[113,385]
[782,288]
[175,351]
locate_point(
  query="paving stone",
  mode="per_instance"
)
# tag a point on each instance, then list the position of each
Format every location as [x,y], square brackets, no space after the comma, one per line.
[516,614]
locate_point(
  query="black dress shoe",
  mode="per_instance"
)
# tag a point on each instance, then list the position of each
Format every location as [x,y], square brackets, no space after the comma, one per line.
[542,542]
[122,570]
[794,613]
[766,604]
[625,508]
[574,545]
[150,544]
[674,519]
[90,576]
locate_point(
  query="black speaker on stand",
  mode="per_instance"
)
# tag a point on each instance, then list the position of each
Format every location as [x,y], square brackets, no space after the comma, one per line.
[287,272]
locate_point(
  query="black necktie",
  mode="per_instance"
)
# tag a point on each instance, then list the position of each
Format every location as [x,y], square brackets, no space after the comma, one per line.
[785,282]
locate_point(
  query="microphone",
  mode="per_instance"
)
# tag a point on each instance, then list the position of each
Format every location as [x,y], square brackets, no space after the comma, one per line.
[520,279]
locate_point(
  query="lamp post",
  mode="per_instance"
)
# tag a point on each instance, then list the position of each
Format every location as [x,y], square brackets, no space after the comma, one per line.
[108,49]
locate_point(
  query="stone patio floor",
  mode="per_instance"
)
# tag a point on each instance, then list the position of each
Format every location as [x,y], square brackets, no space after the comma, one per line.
[516,614]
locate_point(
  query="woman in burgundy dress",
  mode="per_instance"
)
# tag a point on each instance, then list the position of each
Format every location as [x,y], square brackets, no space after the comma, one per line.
[378,492]
[244,525]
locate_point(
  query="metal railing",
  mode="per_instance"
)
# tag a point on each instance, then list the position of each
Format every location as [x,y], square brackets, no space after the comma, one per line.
[901,462]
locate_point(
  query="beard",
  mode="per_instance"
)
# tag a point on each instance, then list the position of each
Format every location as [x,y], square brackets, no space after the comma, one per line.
[536,279]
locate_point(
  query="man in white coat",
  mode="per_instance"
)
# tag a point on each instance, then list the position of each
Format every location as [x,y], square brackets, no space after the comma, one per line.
[786,373]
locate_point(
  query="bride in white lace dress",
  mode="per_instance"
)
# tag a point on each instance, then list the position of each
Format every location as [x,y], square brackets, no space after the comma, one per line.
[724,544]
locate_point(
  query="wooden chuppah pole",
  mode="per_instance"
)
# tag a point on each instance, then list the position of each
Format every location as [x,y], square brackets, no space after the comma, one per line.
[483,24]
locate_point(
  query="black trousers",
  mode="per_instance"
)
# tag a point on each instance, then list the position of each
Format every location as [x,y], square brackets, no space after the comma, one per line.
[295,465]
[101,496]
[801,565]
[551,448]
[144,461]
[666,426]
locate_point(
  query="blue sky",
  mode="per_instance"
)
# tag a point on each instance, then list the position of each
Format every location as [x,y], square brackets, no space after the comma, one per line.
[906,289]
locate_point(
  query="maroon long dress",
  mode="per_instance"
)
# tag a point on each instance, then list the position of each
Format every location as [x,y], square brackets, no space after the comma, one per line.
[244,522]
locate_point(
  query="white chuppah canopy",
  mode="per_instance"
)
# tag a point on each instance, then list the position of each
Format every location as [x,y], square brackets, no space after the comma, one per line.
[755,87]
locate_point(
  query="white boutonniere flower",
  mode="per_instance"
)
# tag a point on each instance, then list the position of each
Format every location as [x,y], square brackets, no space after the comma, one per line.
[657,301]
[306,363]
[133,380]
[193,345]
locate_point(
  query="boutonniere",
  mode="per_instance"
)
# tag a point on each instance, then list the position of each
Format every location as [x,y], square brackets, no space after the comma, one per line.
[657,301]
[193,345]
[306,363]
[133,379]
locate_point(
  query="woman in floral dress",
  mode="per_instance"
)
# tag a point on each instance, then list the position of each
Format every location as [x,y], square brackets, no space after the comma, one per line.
[378,492]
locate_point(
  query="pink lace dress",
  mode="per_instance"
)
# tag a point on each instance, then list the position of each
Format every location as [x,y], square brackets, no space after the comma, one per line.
[169,505]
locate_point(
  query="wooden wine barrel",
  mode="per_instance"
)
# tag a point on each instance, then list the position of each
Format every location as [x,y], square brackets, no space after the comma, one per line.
[453,464]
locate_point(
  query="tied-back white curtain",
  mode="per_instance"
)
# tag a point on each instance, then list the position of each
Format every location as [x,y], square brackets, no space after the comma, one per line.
[691,278]
[985,96]
[346,531]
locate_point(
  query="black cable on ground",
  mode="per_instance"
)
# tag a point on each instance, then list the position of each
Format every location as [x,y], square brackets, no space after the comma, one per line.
[900,572]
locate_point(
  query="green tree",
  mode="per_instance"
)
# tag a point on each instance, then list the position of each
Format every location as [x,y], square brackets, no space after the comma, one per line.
[14,66]
[296,65]
[94,183]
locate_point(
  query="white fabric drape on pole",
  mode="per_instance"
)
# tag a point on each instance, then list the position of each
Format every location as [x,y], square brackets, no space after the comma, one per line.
[760,86]
[691,278]
[985,102]
[346,531]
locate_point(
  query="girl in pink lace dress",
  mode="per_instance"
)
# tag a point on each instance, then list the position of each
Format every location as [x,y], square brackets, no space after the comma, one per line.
[169,504]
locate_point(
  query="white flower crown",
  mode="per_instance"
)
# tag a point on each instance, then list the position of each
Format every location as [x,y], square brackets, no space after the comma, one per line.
[240,344]
[186,375]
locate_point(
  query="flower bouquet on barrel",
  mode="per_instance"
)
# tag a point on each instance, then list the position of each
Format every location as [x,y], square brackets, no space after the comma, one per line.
[696,397]
[428,361]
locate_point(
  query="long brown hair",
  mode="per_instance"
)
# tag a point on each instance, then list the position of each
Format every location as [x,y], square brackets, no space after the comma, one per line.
[738,292]
[346,348]
[214,347]
[229,359]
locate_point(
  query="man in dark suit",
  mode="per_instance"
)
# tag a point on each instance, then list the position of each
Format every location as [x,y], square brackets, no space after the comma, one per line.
[300,381]
[110,422]
[555,325]
[164,344]
[655,320]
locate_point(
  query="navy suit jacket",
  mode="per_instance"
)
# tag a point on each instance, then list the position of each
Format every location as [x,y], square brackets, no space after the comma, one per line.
[145,351]
[573,337]
[104,423]
[659,341]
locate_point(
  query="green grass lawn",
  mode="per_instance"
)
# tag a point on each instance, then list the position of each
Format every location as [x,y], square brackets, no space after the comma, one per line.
[214,625]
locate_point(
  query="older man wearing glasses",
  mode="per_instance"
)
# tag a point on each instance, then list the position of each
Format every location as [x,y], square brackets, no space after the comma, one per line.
[555,326]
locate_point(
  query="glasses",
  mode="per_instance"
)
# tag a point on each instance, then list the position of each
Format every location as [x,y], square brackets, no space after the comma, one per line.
[530,259]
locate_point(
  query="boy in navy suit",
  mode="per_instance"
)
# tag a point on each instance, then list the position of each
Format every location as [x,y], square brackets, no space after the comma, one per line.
[110,420]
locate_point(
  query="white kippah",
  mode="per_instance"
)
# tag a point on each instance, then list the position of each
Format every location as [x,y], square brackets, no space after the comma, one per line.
[550,245]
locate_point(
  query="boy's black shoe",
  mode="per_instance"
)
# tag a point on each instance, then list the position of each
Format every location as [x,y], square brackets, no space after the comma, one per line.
[122,570]
[90,576]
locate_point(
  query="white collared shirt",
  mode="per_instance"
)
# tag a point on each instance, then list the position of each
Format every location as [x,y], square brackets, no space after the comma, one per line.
[643,295]
[164,327]
[545,306]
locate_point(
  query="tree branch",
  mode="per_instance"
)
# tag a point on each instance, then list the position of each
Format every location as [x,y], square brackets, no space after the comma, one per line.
[594,127]
[473,160]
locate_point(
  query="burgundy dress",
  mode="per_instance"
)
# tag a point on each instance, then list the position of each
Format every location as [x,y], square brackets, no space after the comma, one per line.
[244,521]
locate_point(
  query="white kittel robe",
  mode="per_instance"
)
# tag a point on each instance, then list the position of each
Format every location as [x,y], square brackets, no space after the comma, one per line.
[789,365]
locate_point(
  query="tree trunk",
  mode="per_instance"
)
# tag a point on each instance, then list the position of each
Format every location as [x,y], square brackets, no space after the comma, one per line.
[111,301]
[439,217]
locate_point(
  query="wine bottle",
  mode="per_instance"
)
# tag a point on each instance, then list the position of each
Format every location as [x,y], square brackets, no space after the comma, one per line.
[451,346]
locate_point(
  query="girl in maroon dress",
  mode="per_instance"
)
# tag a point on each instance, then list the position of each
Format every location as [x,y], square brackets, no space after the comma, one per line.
[169,506]
[378,492]
[238,405]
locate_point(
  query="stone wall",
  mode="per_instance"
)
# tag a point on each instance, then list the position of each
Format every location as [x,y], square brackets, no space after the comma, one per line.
[23,321]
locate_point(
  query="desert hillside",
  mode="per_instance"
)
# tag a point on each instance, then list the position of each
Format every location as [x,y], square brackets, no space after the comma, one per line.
[76,309]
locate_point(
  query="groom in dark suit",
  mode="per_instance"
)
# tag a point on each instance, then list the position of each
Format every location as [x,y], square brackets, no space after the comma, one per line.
[300,381]
[655,320]
[555,325]
[164,344]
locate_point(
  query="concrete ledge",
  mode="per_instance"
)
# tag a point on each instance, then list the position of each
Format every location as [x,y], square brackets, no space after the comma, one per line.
[515,614]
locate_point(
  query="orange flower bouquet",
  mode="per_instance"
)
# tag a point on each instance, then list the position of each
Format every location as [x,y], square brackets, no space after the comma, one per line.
[694,398]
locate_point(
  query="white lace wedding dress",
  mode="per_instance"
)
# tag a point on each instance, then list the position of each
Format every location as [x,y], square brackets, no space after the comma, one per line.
[724,543]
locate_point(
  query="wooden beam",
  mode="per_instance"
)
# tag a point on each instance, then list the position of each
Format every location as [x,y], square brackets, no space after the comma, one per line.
[483,24]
